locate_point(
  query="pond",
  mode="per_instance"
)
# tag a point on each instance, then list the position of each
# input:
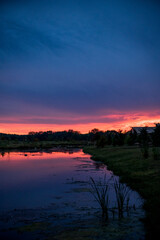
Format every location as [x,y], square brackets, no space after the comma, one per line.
[47,195]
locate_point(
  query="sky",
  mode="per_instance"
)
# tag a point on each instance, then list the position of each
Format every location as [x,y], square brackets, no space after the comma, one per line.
[79,64]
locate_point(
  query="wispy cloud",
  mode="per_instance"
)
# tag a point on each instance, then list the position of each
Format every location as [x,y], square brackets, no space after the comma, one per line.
[79,58]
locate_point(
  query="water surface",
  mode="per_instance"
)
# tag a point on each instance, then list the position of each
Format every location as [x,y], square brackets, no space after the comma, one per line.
[47,195]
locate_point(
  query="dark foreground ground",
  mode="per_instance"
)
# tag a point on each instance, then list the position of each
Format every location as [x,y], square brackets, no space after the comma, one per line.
[140,174]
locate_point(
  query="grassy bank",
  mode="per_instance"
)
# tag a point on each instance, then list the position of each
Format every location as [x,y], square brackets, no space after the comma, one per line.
[11,145]
[142,175]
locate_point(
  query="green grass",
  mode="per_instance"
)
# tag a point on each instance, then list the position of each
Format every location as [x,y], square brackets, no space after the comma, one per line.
[142,175]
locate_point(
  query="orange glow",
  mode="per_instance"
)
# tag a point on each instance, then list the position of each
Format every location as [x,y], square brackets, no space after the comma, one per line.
[114,121]
[19,156]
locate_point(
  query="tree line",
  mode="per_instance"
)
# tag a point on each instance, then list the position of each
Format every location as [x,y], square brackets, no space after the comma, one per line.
[95,136]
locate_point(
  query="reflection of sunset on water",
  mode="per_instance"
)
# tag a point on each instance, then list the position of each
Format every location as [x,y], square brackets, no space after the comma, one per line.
[51,187]
[29,156]
[20,168]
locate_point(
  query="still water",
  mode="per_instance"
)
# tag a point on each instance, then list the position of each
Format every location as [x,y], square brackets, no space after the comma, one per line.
[46,195]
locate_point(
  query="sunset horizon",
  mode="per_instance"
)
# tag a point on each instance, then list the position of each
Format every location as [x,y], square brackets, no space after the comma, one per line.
[79,119]
[76,65]
[125,125]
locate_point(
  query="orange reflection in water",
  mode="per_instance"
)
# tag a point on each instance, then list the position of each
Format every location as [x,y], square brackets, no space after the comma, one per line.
[18,156]
[20,168]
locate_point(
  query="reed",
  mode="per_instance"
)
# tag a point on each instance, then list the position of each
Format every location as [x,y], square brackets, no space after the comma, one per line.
[100,191]
[122,193]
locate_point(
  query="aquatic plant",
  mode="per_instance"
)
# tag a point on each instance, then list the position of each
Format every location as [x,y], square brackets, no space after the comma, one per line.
[122,196]
[100,191]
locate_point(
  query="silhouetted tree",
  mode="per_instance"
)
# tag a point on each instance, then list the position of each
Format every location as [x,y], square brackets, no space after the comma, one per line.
[156,136]
[101,142]
[95,130]
[132,138]
[121,137]
[109,138]
[144,142]
[118,138]
[94,135]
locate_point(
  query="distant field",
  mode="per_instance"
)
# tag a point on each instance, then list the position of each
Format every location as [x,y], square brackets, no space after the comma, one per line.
[5,145]
[142,175]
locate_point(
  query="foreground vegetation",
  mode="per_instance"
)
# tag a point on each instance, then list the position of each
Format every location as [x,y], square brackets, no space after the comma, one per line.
[141,174]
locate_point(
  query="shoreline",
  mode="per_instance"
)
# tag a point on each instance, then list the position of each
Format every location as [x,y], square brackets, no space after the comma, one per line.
[142,175]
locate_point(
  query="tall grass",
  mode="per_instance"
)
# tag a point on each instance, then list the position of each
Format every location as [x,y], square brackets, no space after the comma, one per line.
[122,196]
[100,191]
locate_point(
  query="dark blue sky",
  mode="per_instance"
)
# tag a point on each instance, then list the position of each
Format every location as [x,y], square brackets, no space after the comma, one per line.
[66,59]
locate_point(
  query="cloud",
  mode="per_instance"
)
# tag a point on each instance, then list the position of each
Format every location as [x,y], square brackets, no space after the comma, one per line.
[78,57]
